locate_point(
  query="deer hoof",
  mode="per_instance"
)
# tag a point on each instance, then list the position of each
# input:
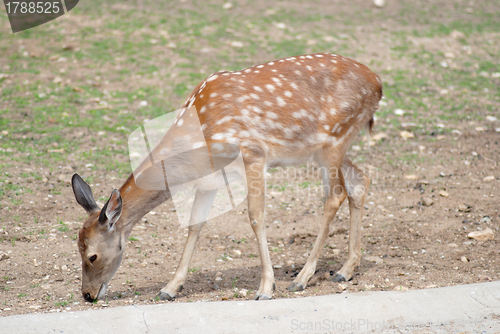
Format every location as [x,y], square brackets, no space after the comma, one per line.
[339,278]
[296,287]
[263,297]
[165,296]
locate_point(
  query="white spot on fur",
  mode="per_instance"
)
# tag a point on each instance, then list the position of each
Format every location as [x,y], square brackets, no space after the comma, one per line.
[288,93]
[244,133]
[180,122]
[298,72]
[218,136]
[242,98]
[254,96]
[248,70]
[277,81]
[257,109]
[212,77]
[272,115]
[280,101]
[294,85]
[269,104]
[270,88]
[213,95]
[309,68]
[319,56]
[257,88]
[198,145]
[203,109]
[226,96]
[271,63]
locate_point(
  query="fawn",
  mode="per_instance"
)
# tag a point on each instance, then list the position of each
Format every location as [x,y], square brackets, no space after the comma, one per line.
[285,112]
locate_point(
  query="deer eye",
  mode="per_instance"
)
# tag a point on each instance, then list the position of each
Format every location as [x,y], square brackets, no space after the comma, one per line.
[92,258]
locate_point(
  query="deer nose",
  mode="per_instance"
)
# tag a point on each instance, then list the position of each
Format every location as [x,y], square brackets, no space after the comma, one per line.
[88,298]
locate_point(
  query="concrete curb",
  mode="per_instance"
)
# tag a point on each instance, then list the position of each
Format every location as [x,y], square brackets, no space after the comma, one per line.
[473,308]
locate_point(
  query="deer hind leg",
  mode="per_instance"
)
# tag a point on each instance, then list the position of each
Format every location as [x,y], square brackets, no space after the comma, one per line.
[256,212]
[356,183]
[335,195]
[202,203]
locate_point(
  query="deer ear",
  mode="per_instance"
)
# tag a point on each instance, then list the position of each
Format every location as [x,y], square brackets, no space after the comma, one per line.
[83,194]
[111,211]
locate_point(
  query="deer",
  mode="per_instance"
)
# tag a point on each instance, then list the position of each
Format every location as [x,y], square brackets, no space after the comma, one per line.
[282,113]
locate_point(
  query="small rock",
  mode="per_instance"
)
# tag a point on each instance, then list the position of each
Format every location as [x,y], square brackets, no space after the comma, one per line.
[488,178]
[64,267]
[227,5]
[379,136]
[457,34]
[481,128]
[61,177]
[406,135]
[453,245]
[3,256]
[375,259]
[236,44]
[485,235]
[236,252]
[399,112]
[218,278]
[143,104]
[497,130]
[411,177]
[464,259]
[243,292]
[342,286]
[427,201]
[485,219]
[400,288]
[464,208]
[449,55]
[444,193]
[379,3]
[57,80]
[491,118]
[335,252]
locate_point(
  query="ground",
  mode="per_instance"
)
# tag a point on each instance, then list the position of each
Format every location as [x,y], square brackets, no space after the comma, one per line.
[71,92]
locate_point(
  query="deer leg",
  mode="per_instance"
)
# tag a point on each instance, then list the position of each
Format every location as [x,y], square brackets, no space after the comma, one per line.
[202,203]
[357,187]
[256,212]
[335,196]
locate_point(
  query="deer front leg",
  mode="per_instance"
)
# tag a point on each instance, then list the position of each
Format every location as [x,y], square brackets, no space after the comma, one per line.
[202,203]
[256,213]
[357,187]
[332,204]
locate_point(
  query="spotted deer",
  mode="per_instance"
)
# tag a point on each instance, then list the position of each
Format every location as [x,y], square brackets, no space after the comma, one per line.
[282,113]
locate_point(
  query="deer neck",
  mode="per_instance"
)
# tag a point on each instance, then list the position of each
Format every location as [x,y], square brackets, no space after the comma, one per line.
[137,202]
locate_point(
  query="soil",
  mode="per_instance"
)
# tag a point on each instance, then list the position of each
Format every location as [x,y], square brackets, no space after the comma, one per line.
[406,244]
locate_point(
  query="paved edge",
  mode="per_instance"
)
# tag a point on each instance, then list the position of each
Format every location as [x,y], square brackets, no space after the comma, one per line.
[464,307]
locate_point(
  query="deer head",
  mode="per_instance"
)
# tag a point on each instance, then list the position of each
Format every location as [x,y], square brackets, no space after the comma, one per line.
[100,243]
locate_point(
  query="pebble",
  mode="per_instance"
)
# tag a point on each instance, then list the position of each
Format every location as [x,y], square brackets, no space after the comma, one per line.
[464,259]
[342,286]
[411,177]
[491,118]
[444,193]
[399,112]
[237,44]
[379,136]
[227,5]
[464,208]
[427,201]
[236,252]
[485,219]
[243,292]
[406,135]
[375,259]
[485,235]
[488,178]
[379,3]
[3,256]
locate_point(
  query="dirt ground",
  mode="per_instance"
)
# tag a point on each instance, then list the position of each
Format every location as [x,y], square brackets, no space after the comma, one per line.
[427,194]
